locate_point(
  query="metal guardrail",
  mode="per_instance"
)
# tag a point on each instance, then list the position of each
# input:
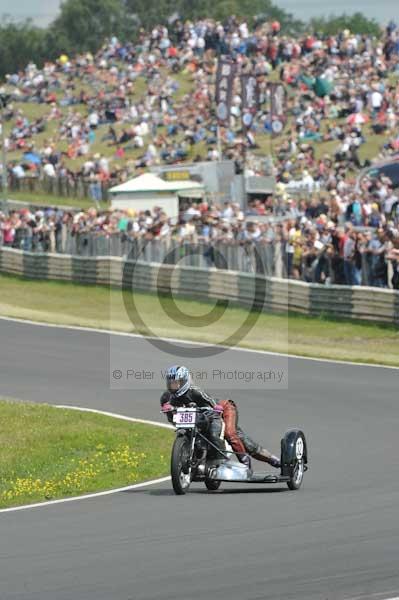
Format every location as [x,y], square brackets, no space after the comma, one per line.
[276,295]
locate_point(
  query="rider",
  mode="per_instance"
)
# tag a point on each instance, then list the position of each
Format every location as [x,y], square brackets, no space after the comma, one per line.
[181,392]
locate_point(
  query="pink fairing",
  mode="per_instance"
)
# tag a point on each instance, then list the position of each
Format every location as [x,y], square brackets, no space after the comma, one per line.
[218,408]
[167,408]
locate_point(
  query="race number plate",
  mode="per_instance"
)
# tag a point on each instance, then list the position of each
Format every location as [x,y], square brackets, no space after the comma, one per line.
[185,418]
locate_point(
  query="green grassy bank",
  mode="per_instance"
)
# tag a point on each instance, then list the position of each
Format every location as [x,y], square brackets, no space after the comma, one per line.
[100,307]
[48,453]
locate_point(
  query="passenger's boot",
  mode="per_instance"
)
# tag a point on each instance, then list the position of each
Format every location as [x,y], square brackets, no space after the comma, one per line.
[245,459]
[265,456]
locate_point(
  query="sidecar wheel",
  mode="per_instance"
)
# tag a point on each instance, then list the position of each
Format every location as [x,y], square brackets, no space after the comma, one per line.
[296,478]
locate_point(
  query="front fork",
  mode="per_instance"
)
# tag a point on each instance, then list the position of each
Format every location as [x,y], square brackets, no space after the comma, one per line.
[189,464]
[191,454]
[194,460]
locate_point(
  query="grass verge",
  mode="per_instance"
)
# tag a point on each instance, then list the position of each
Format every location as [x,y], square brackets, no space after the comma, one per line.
[101,307]
[48,453]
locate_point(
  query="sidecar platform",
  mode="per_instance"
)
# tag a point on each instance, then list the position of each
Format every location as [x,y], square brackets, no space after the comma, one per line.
[267,478]
[235,472]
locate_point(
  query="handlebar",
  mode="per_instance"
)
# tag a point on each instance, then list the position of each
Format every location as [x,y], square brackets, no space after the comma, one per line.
[199,408]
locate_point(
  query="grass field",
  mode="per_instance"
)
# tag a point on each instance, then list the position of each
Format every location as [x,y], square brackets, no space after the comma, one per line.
[48,453]
[101,307]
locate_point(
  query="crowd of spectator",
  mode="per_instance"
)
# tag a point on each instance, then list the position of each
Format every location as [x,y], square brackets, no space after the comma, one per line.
[154,100]
[310,247]
[156,97]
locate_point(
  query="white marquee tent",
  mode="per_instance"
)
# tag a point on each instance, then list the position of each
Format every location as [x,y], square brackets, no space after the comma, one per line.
[147,191]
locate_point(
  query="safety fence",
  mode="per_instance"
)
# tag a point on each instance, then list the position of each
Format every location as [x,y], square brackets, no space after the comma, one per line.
[266,257]
[246,257]
[245,289]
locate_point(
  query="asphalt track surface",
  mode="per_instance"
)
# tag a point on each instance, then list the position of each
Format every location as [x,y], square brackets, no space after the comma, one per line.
[336,538]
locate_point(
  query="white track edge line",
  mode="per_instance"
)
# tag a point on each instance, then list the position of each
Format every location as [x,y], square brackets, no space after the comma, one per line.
[193,342]
[106,492]
[381,595]
[115,415]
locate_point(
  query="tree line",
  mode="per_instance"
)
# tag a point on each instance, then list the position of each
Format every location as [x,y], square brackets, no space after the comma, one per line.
[82,25]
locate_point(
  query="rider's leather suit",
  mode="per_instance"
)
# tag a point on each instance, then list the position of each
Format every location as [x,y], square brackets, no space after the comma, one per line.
[196,396]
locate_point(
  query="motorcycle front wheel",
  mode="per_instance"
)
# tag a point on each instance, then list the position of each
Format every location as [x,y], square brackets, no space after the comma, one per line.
[180,468]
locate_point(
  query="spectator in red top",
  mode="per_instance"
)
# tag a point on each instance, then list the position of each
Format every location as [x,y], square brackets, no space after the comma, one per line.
[276,27]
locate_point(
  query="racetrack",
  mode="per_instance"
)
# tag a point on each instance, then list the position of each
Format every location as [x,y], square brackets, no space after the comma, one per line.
[336,538]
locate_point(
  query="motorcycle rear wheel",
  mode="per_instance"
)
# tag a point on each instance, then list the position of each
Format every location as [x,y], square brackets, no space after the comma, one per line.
[212,485]
[179,469]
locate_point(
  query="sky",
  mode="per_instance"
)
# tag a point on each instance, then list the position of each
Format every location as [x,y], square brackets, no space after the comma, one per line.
[43,11]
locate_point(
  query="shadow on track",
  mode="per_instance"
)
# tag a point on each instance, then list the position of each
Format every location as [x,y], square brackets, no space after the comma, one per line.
[196,492]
